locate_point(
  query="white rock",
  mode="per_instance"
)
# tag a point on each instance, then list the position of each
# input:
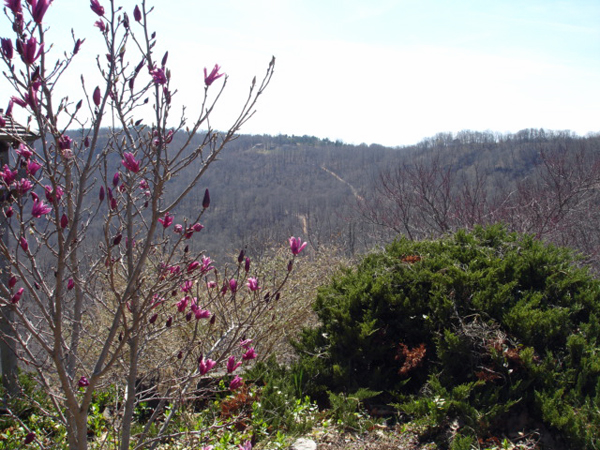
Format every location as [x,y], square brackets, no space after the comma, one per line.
[304,444]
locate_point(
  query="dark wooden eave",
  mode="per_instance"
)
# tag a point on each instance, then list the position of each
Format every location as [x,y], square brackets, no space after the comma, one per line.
[14,132]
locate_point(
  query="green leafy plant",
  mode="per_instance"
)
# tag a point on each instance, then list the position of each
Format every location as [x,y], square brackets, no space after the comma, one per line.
[471,329]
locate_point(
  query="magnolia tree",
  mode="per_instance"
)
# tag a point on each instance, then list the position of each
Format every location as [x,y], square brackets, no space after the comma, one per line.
[138,299]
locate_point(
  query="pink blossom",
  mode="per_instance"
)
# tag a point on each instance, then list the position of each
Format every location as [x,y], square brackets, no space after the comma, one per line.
[206,265]
[206,365]
[83,382]
[197,227]
[38,9]
[65,142]
[24,151]
[70,284]
[201,313]
[23,186]
[246,446]
[252,284]
[245,343]
[250,354]
[64,221]
[187,285]
[193,266]
[211,284]
[247,265]
[7,51]
[17,296]
[14,6]
[232,365]
[210,78]
[8,175]
[32,167]
[23,243]
[233,285]
[12,281]
[96,96]
[101,26]
[130,162]
[206,199]
[235,384]
[9,211]
[158,76]
[182,304]
[178,228]
[101,194]
[115,180]
[39,209]
[137,14]
[296,245]
[96,7]
[29,50]
[167,220]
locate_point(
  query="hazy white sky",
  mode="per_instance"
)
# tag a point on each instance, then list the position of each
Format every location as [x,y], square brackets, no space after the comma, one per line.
[376,71]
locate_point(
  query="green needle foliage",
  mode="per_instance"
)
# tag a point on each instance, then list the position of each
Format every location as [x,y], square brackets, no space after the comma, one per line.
[464,334]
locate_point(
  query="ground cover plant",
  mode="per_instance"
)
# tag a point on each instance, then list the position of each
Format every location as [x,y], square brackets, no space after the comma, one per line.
[467,336]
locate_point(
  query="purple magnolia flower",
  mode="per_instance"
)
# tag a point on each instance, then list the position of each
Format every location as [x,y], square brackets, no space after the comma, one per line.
[250,354]
[70,284]
[65,142]
[158,75]
[38,9]
[83,382]
[130,162]
[100,24]
[246,343]
[17,296]
[39,209]
[64,221]
[7,48]
[12,281]
[14,6]
[246,446]
[29,438]
[9,211]
[296,245]
[232,365]
[24,152]
[247,265]
[235,384]
[101,194]
[182,304]
[211,284]
[193,266]
[29,50]
[78,43]
[167,220]
[9,176]
[197,227]
[252,284]
[23,186]
[206,199]
[96,96]
[178,228]
[201,313]
[214,74]
[53,195]
[32,167]
[206,365]
[115,180]
[187,285]
[233,285]
[23,243]
[206,265]
[137,14]
[97,7]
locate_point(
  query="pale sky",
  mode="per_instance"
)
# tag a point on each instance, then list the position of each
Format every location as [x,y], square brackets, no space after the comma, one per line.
[390,72]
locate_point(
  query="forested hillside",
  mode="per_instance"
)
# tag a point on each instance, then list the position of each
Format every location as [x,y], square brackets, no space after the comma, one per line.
[267,188]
